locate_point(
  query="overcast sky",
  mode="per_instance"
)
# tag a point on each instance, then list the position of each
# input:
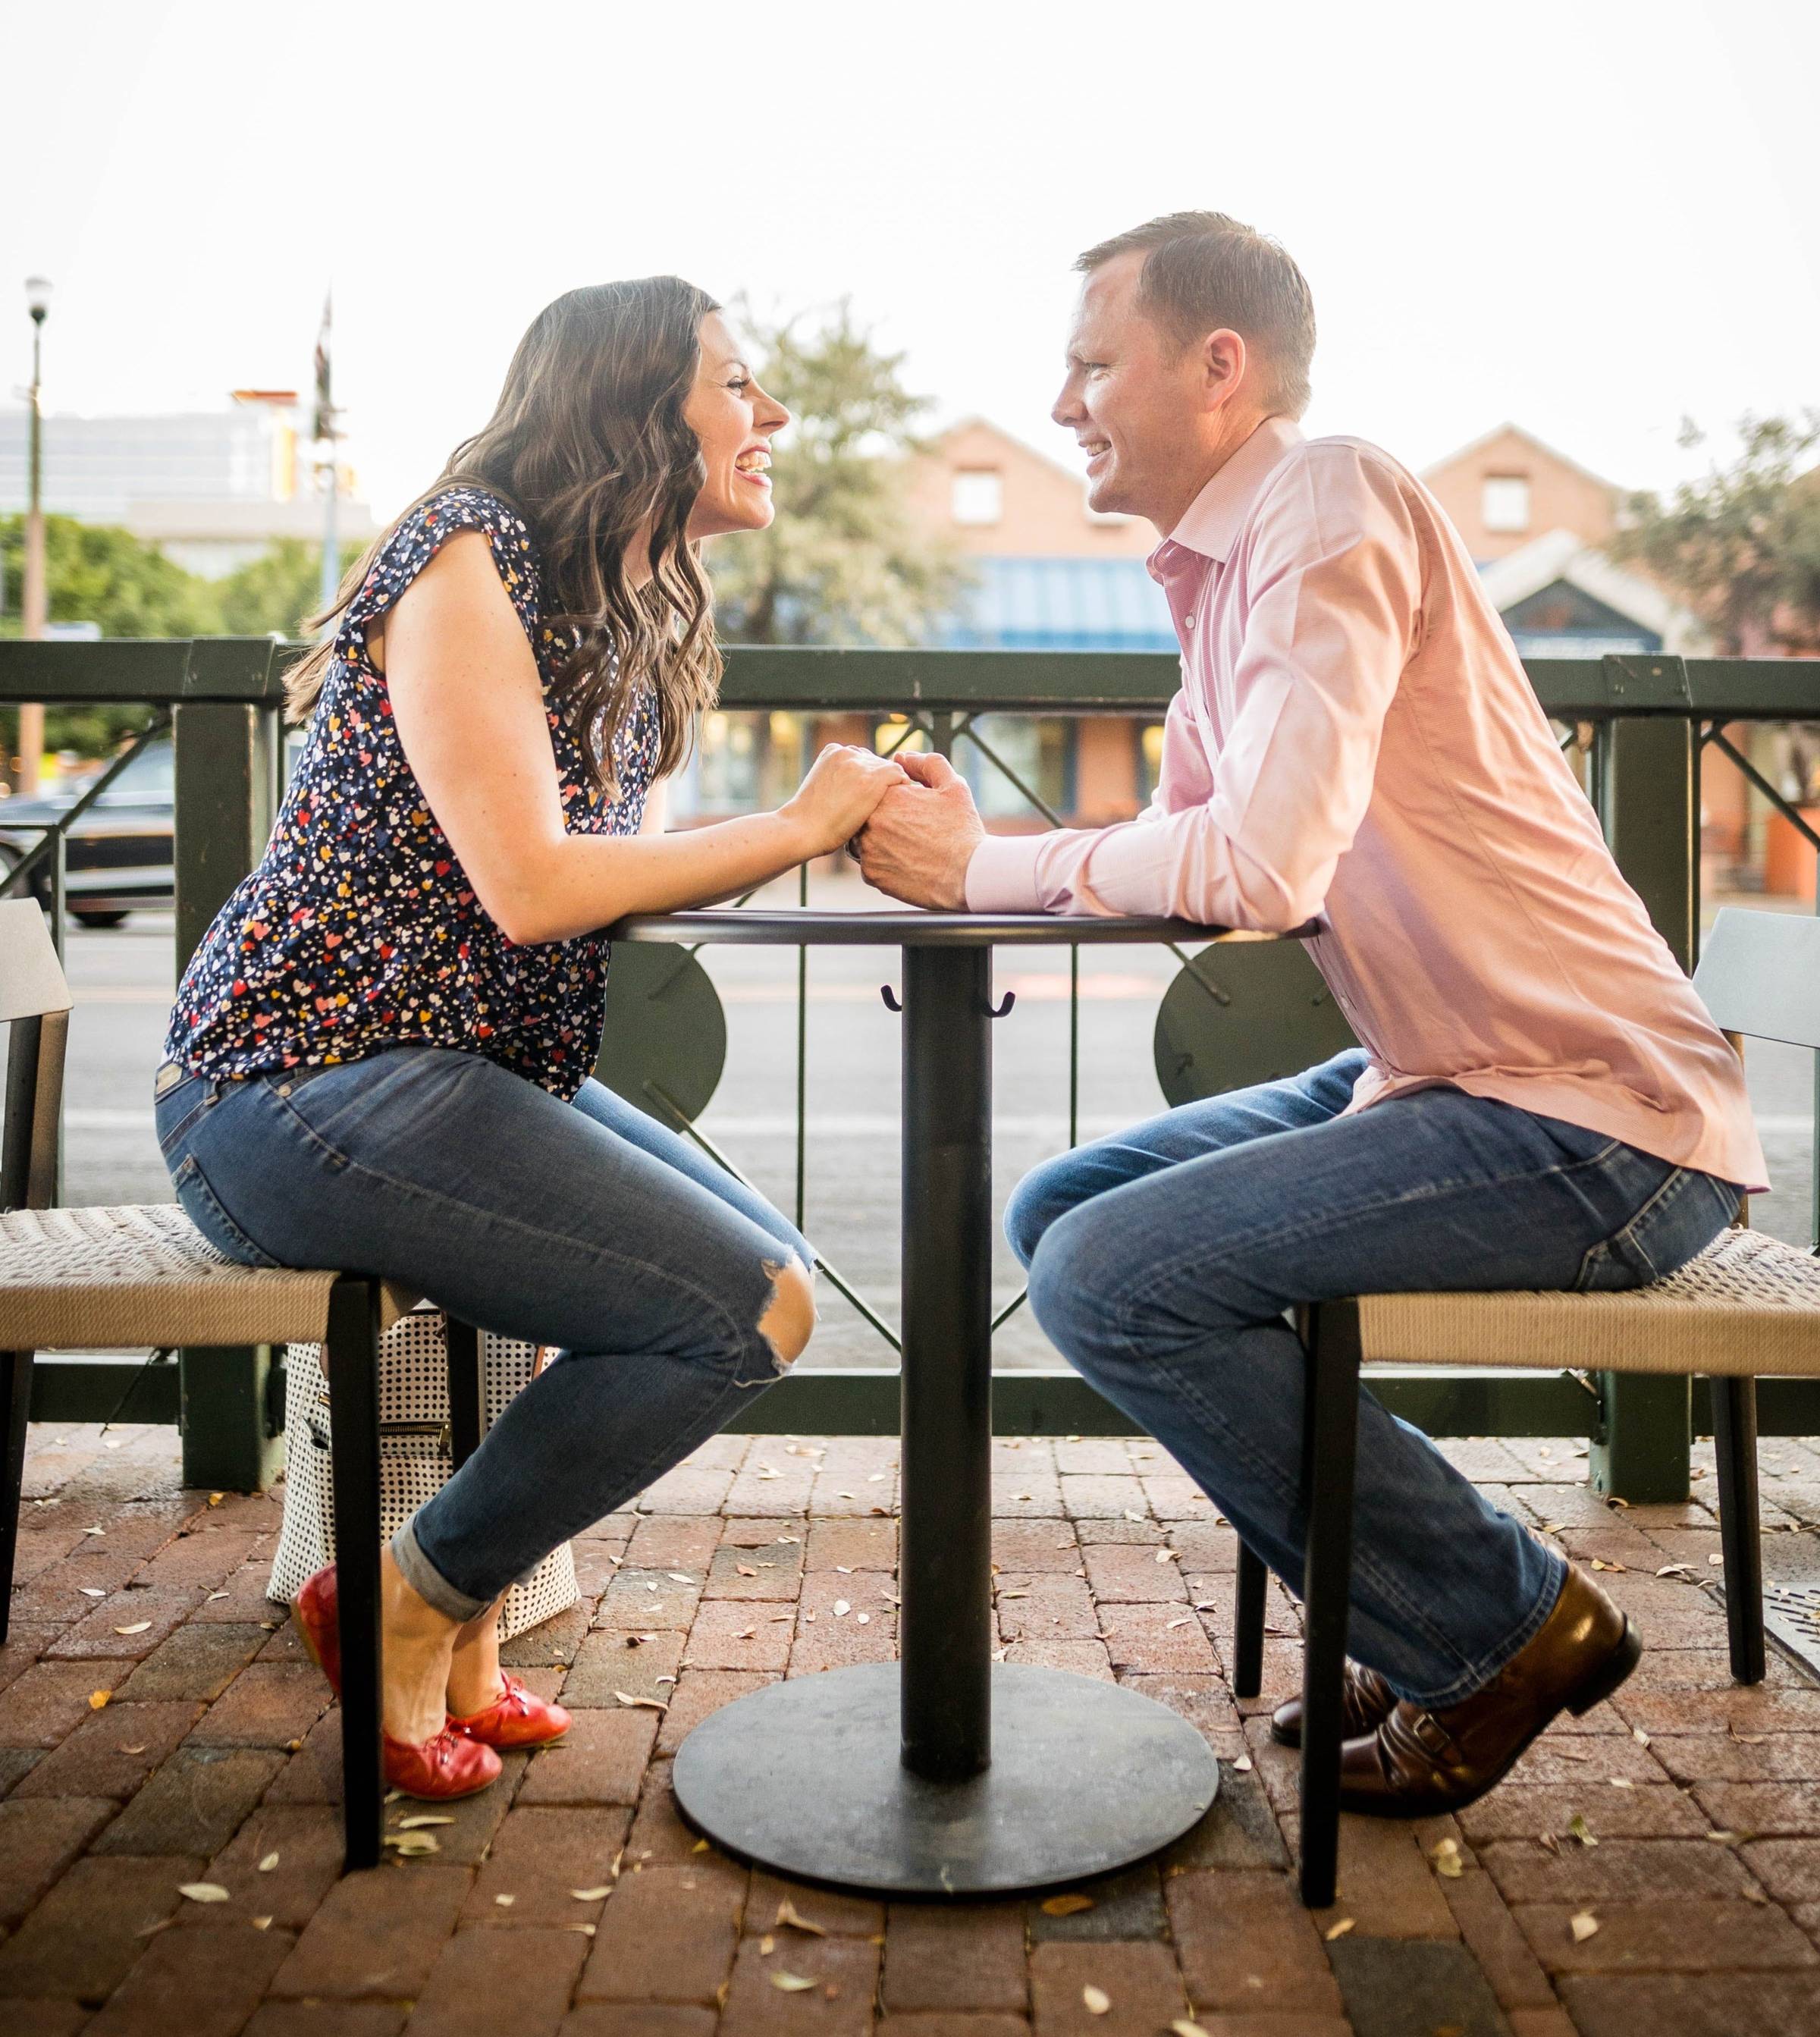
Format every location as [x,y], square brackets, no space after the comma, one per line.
[1593,217]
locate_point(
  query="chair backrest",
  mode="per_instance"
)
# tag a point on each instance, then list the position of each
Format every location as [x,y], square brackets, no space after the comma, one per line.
[35,1007]
[1760,975]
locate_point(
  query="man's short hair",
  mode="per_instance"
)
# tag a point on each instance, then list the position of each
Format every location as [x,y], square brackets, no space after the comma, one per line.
[1203,270]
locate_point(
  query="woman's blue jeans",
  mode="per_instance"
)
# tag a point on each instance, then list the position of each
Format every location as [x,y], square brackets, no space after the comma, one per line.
[585,1225]
[1162,1260]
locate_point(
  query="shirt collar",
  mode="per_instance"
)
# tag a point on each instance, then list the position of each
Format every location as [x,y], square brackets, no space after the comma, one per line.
[1212,522]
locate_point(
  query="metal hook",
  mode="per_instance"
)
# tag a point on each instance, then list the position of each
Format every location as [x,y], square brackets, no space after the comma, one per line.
[999,1010]
[890,998]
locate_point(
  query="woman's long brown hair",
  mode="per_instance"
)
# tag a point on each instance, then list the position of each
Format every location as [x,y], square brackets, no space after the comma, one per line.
[589,445]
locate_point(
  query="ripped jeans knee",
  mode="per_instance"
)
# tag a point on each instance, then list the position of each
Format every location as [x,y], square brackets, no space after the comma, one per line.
[789,1320]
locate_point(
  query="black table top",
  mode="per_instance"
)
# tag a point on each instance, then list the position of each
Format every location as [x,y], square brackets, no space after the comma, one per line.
[904,928]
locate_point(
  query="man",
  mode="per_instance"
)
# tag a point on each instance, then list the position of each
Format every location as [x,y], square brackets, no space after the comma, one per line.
[1541,1099]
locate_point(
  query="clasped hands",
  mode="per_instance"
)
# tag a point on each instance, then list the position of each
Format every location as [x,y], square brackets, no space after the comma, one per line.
[919,825]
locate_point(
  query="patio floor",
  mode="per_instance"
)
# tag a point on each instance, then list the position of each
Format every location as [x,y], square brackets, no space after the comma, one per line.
[1654,1867]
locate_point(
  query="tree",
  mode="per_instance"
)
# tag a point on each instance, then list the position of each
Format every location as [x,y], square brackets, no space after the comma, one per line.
[278,591]
[842,562]
[96,573]
[1743,545]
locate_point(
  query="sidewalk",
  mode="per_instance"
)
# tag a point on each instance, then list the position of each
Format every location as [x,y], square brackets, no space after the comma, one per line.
[1652,1868]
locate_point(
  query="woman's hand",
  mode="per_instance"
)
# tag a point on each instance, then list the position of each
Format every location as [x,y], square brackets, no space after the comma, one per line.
[836,799]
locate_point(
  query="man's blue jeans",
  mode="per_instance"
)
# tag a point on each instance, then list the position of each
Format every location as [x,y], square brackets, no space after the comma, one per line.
[1162,1259]
[582,1225]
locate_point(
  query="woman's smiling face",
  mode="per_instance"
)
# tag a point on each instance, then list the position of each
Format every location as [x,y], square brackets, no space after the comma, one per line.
[734,421]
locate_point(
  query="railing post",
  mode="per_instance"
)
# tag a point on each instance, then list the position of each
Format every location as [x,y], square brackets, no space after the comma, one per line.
[1646,779]
[227,779]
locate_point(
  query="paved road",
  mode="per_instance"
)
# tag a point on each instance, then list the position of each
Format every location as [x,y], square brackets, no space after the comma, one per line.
[122,982]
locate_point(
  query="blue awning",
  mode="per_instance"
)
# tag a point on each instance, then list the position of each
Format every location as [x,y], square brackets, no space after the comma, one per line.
[1060,605]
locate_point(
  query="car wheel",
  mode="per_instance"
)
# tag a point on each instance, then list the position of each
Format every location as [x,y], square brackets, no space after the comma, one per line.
[103,919]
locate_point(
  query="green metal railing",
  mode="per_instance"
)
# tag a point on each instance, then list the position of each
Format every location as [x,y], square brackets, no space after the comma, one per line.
[1645,722]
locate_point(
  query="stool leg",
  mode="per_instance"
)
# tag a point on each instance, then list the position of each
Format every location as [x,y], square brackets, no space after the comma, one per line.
[353,1351]
[15,1410]
[1248,1625]
[1329,1450]
[1740,1529]
[467,1392]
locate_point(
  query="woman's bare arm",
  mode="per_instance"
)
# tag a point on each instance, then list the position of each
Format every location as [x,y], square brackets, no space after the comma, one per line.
[468,708]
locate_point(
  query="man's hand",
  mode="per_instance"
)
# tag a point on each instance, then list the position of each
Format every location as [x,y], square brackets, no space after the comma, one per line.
[922,836]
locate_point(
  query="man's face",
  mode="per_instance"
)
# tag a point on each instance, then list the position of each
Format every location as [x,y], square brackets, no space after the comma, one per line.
[1136,402]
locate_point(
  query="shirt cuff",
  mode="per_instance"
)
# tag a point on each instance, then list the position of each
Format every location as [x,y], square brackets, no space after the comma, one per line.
[1002,874]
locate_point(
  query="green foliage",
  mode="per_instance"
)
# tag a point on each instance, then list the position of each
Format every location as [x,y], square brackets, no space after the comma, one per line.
[278,591]
[842,562]
[96,573]
[1743,545]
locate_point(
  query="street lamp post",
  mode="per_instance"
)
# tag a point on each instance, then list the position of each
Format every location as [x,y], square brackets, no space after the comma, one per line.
[34,605]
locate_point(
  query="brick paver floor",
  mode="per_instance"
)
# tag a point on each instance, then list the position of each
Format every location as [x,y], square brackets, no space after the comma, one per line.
[1652,1868]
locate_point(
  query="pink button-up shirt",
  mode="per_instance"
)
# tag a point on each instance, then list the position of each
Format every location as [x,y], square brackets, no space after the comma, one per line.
[1355,739]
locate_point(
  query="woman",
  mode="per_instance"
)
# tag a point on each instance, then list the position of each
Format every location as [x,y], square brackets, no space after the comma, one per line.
[379,1057]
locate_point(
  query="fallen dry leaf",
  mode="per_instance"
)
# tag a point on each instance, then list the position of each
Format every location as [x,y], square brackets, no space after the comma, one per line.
[202,1891]
[1445,1857]
[789,1983]
[841,1608]
[1067,1906]
[215,1499]
[1600,1563]
[646,1704]
[1583,1926]
[91,1591]
[421,1818]
[270,1861]
[1338,1930]
[505,1902]
[679,1578]
[1186,1620]
[139,1749]
[746,1569]
[1577,1828]
[98,1699]
[1168,1556]
[1243,1763]
[787,1913]
[1640,1736]
[592,1894]
[409,1845]
[1097,2000]
[1182,2027]
[261,1923]
[137,1627]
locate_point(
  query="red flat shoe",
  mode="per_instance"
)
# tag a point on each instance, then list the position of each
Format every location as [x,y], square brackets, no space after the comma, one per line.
[449,1765]
[318,1622]
[517,1717]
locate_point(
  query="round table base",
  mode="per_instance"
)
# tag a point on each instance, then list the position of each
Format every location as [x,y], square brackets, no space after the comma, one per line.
[805,1778]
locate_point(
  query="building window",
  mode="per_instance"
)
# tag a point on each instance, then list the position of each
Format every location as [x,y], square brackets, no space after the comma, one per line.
[979,495]
[1504,505]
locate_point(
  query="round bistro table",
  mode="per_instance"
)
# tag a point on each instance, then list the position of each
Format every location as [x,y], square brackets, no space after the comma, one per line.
[945,1774]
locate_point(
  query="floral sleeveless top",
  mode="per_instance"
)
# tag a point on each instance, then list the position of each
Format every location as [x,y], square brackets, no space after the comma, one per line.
[358,931]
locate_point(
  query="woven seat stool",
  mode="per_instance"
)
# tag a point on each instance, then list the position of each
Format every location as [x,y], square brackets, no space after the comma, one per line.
[1747,1307]
[144,1276]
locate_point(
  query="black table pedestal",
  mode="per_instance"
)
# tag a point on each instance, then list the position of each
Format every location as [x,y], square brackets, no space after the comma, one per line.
[948,1775]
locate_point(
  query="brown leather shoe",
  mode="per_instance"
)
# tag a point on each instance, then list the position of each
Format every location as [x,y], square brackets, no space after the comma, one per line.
[1419,1763]
[1366,1701]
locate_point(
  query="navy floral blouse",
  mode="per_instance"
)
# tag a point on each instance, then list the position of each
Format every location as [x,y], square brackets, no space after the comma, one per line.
[358,931]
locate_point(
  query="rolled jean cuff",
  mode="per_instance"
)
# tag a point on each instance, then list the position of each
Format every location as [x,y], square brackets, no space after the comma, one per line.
[429,1582]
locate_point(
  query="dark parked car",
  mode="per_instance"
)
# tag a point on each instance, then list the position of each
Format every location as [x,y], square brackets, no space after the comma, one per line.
[119,851]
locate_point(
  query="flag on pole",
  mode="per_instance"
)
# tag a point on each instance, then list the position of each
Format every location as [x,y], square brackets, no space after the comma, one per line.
[324,425]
